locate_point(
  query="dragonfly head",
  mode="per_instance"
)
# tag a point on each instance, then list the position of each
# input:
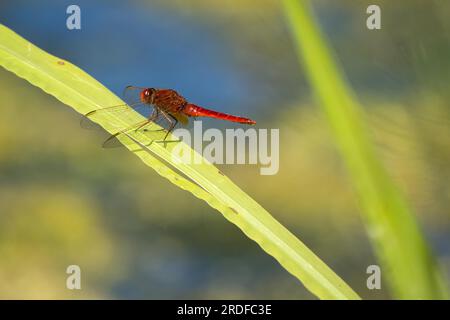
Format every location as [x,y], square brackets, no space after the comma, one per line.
[147,95]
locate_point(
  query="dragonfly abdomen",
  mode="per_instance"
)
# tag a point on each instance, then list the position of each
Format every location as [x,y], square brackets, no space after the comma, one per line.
[193,110]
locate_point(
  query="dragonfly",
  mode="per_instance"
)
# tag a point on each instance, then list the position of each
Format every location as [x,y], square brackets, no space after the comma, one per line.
[159,104]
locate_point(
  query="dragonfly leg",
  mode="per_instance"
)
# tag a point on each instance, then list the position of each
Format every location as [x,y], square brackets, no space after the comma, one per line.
[173,122]
[153,117]
[172,126]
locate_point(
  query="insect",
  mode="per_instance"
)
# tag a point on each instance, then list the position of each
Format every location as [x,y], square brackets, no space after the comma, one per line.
[165,104]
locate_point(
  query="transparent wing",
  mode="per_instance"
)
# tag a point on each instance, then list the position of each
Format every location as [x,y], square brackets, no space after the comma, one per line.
[114,142]
[143,126]
[119,110]
[131,96]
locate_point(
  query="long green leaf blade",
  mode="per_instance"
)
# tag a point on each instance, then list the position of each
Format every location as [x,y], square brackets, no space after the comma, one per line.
[77,89]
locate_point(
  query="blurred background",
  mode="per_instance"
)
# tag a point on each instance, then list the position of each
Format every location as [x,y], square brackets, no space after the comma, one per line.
[64,200]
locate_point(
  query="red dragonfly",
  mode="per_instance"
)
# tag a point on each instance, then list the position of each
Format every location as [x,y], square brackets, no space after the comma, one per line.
[167,104]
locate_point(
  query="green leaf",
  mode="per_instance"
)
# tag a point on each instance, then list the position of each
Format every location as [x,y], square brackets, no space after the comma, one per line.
[406,260]
[77,89]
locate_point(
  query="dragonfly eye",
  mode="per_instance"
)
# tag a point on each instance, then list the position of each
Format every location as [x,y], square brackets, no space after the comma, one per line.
[145,95]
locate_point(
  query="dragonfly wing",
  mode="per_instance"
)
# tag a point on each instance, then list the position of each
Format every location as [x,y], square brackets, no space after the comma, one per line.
[119,111]
[114,142]
[131,94]
[142,126]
